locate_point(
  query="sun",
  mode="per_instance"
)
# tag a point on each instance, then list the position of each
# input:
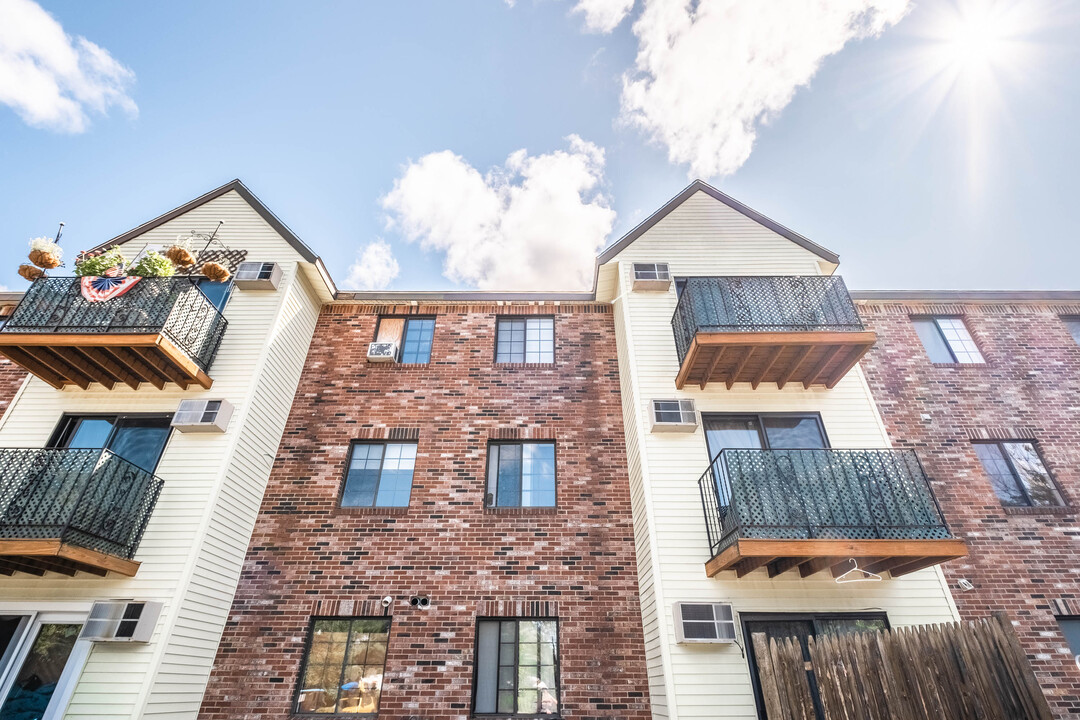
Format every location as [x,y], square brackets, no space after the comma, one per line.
[978,36]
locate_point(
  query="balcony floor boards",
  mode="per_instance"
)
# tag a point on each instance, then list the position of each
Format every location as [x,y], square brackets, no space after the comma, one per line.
[62,359]
[809,358]
[37,557]
[898,557]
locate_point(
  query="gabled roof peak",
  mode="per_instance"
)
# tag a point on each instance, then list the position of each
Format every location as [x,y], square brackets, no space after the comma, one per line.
[700,185]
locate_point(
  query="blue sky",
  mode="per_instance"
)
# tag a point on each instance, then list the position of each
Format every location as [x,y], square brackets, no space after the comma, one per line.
[344,117]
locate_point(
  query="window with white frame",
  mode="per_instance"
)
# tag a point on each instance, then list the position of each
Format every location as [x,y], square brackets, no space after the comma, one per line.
[947,340]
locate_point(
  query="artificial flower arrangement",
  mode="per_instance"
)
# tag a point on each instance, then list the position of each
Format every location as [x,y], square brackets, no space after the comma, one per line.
[45,253]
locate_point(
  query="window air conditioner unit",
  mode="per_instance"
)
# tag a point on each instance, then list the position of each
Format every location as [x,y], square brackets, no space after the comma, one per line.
[258,275]
[382,352]
[704,623]
[121,621]
[673,416]
[651,277]
[202,416]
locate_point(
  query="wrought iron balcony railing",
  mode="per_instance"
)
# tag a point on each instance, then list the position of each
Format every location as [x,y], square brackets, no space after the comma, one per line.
[818,494]
[778,304]
[173,307]
[91,499]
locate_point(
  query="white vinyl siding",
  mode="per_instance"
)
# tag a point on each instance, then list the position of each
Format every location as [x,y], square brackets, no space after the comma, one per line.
[700,238]
[197,537]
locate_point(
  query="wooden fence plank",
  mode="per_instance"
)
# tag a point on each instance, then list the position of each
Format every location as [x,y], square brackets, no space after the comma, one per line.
[961,671]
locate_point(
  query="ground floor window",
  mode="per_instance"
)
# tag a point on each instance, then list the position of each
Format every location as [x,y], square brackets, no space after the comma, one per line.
[517,667]
[40,658]
[343,666]
[803,626]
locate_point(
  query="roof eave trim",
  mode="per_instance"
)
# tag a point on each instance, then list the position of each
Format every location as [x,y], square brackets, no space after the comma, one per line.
[966,295]
[400,296]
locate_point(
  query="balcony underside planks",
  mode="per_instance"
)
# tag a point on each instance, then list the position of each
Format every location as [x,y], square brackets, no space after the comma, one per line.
[36,557]
[808,557]
[62,359]
[809,358]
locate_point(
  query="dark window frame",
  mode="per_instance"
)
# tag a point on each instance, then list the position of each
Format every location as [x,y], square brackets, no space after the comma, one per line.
[487,477]
[945,340]
[1016,473]
[476,668]
[1065,320]
[405,332]
[382,460]
[507,318]
[65,428]
[812,617]
[758,417]
[307,652]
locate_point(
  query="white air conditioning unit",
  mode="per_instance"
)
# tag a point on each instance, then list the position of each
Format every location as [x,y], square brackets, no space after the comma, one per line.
[257,275]
[673,416]
[121,621]
[704,623]
[202,416]
[382,352]
[651,277]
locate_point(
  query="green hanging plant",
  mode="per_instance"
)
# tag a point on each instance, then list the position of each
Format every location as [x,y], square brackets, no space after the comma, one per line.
[98,264]
[152,264]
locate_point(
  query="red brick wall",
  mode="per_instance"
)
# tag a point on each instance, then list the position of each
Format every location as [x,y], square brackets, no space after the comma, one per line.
[11,379]
[1026,562]
[308,557]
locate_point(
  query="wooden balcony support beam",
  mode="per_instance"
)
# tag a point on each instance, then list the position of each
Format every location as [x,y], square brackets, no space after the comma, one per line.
[767,366]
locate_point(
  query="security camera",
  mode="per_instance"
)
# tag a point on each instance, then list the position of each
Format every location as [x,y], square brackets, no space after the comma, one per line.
[387,601]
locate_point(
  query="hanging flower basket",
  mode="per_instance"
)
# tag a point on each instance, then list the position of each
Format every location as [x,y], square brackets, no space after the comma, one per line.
[152,265]
[45,253]
[180,256]
[30,272]
[216,272]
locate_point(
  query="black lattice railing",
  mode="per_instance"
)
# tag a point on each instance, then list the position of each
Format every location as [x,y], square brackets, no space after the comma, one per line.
[89,498]
[783,303]
[823,494]
[174,307]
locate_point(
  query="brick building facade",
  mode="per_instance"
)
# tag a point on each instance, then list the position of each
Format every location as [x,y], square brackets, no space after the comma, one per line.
[574,562]
[1026,393]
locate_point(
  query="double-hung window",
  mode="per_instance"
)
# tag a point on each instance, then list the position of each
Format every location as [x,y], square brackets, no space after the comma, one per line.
[525,340]
[343,667]
[1018,474]
[412,337]
[517,667]
[379,475]
[947,340]
[139,439]
[521,474]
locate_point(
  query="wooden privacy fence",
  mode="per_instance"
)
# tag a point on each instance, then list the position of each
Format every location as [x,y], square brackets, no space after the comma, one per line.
[960,671]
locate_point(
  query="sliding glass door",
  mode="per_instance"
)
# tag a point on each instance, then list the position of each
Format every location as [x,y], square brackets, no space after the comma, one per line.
[41,659]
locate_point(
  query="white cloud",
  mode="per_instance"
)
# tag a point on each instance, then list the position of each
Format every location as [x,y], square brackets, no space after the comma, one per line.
[534,223]
[374,268]
[52,79]
[709,72]
[603,16]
